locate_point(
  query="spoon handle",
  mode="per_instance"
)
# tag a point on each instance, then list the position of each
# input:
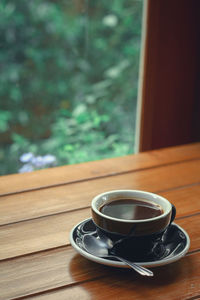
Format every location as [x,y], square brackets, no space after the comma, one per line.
[141,270]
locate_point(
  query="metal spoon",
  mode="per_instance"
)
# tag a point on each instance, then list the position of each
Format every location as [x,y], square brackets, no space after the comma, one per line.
[98,247]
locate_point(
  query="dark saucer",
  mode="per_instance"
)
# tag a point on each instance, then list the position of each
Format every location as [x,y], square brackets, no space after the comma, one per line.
[174,245]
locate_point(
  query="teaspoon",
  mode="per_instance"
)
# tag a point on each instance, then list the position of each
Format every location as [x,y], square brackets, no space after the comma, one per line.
[99,248]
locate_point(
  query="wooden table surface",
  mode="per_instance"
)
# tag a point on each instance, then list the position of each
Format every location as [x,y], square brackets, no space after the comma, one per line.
[38,210]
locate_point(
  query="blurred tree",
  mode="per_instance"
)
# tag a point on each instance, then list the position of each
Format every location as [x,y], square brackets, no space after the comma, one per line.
[68,81]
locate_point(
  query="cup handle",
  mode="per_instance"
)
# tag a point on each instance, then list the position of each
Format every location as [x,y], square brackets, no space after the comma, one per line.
[173,215]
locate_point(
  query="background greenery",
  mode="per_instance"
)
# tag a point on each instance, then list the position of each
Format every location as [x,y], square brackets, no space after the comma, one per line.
[68,80]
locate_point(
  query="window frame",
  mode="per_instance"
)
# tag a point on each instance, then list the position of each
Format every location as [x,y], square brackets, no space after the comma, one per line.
[168,106]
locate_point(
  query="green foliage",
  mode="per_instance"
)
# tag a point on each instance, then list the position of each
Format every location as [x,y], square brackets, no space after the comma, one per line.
[68,81]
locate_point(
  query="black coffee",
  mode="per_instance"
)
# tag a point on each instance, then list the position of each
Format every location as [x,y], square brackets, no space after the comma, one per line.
[131,209]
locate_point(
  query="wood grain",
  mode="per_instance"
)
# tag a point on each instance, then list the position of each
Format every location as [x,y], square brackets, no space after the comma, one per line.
[37,261]
[53,200]
[62,267]
[73,173]
[186,200]
[169,283]
[53,231]
[41,271]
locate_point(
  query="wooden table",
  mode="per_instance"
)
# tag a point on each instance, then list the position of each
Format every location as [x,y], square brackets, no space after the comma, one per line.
[38,210]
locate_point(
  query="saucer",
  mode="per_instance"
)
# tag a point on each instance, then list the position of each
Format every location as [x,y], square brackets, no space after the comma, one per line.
[176,244]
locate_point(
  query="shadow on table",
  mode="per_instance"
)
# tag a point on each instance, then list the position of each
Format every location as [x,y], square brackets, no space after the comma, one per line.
[102,282]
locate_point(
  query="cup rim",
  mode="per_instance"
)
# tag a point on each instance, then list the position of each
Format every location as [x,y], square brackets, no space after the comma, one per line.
[168,210]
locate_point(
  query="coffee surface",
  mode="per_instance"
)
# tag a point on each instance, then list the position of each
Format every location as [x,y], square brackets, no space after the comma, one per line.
[131,209]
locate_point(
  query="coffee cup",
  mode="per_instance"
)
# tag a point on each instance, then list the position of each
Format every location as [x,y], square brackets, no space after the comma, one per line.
[132,213]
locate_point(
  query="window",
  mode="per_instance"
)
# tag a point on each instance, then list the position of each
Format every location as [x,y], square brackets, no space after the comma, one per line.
[68,82]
